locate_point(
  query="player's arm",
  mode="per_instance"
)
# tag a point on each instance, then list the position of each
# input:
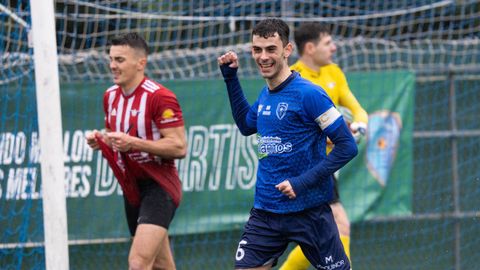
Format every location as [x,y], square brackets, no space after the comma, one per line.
[241,109]
[95,135]
[167,117]
[171,145]
[348,100]
[345,149]
[331,122]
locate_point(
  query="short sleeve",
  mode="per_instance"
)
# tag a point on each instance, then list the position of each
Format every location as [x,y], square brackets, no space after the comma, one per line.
[166,110]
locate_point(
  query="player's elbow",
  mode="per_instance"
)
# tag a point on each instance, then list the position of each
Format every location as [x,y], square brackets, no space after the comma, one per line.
[349,149]
[245,131]
[181,151]
[182,155]
[353,150]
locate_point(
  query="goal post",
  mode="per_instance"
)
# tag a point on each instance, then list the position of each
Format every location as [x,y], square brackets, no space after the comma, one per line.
[413,65]
[50,132]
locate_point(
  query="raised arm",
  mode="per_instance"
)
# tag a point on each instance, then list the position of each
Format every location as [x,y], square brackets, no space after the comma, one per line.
[238,102]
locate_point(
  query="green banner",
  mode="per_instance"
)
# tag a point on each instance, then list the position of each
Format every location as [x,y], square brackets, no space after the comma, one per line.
[218,174]
[378,182]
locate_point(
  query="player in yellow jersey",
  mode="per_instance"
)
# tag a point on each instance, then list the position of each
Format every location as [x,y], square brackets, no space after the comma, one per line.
[316,49]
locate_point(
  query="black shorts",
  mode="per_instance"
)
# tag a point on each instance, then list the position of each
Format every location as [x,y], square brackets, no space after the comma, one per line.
[266,236]
[336,195]
[156,207]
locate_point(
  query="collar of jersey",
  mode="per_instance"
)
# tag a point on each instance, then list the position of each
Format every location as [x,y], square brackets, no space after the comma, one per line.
[131,94]
[284,83]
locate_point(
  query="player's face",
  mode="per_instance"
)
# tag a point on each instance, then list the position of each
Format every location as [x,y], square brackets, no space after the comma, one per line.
[126,66]
[270,55]
[324,50]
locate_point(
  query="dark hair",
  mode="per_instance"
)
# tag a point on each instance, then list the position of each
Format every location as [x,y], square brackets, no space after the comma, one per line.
[309,32]
[132,40]
[268,27]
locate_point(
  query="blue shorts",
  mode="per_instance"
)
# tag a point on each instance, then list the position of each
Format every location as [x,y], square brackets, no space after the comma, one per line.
[266,236]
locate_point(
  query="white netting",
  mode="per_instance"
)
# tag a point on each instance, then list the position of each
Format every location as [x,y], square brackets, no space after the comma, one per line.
[440,39]
[186,37]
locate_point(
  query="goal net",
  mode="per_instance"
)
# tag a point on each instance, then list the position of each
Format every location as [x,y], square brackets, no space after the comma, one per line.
[413,65]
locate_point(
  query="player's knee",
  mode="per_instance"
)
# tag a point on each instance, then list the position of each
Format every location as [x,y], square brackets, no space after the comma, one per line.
[164,265]
[138,262]
[344,228]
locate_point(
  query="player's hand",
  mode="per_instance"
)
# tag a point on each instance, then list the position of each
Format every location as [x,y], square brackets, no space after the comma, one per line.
[229,57]
[120,141]
[359,129]
[286,188]
[92,139]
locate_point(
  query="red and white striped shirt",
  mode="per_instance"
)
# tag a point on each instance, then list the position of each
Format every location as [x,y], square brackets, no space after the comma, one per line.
[150,108]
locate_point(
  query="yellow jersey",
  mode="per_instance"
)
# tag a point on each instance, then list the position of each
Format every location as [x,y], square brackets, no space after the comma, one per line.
[332,79]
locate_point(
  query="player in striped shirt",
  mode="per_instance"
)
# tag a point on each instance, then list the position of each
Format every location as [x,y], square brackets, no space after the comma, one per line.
[144,134]
[292,118]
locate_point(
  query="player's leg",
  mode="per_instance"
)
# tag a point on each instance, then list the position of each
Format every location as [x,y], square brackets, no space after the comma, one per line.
[296,260]
[340,215]
[146,246]
[151,246]
[164,259]
[343,224]
[262,242]
[317,234]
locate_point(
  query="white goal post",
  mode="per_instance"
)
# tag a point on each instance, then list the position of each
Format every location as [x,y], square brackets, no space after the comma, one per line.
[50,130]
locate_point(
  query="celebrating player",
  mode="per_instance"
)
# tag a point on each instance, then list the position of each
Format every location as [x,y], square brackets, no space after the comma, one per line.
[316,48]
[292,118]
[145,133]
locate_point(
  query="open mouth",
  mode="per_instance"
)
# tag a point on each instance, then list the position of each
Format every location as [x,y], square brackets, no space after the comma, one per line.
[265,66]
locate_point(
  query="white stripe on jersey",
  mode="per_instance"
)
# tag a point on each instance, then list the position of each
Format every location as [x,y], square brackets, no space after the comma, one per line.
[126,121]
[111,97]
[111,88]
[142,132]
[150,86]
[118,123]
[327,118]
[155,132]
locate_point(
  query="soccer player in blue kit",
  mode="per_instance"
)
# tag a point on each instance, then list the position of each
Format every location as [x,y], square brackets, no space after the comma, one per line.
[292,118]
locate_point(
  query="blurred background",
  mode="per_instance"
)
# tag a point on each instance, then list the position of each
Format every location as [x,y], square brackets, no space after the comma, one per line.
[412,193]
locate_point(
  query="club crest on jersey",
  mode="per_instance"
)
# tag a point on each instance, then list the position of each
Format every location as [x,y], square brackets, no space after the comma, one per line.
[114,112]
[282,110]
[135,112]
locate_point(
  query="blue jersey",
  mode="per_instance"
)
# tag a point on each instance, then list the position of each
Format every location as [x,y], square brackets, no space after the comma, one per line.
[292,122]
[290,142]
